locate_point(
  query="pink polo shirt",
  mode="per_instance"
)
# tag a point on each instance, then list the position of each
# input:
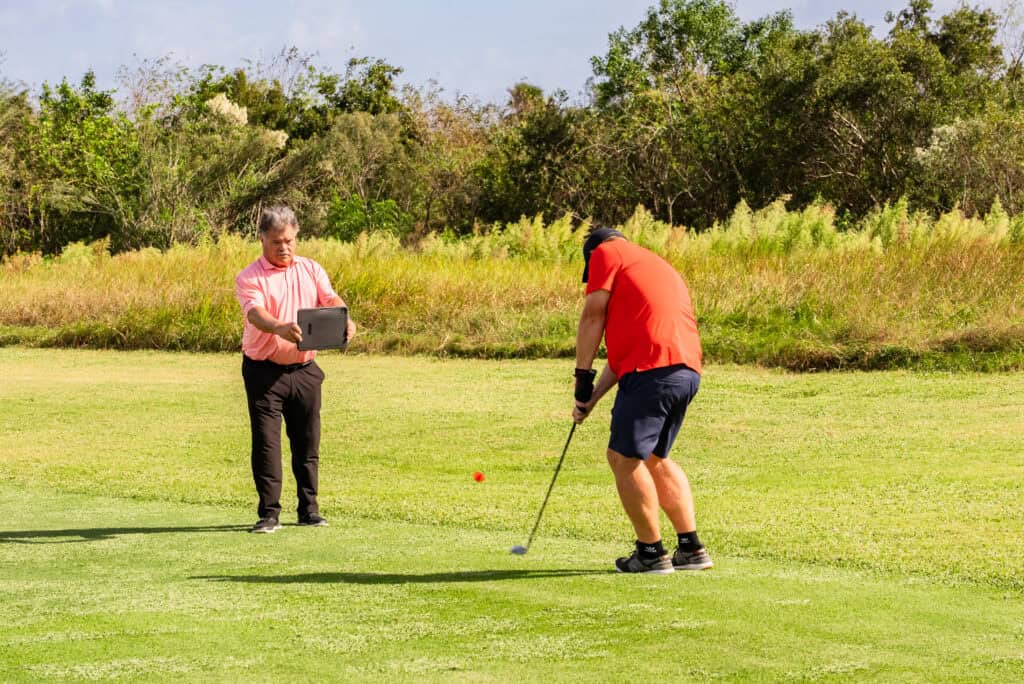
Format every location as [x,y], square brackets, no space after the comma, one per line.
[282,291]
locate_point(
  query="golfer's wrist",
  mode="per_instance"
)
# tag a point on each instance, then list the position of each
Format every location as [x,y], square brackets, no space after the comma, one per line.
[584,389]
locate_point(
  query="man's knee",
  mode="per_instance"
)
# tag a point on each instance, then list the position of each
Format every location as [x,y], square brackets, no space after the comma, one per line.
[656,463]
[620,463]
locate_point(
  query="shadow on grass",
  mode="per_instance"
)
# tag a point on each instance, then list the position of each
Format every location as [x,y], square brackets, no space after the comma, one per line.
[400,578]
[100,533]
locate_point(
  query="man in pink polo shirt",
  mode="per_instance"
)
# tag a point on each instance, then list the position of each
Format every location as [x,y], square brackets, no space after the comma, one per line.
[280,380]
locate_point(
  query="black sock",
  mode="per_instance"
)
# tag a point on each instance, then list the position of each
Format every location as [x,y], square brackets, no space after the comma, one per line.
[650,551]
[689,542]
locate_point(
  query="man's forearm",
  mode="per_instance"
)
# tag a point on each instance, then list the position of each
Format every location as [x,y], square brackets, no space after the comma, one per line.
[262,319]
[588,339]
[604,383]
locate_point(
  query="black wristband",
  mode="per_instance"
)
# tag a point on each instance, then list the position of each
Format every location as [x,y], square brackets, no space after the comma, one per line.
[584,384]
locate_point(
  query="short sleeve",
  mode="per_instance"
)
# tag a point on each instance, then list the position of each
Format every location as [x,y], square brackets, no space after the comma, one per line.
[325,294]
[605,263]
[248,292]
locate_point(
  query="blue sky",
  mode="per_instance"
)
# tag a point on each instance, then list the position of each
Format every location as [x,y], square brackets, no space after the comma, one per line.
[477,47]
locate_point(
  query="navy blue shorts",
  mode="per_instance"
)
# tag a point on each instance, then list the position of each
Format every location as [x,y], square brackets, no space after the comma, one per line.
[649,410]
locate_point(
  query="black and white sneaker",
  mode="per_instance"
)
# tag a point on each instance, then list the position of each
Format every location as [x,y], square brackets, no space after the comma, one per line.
[313,520]
[266,526]
[659,566]
[692,560]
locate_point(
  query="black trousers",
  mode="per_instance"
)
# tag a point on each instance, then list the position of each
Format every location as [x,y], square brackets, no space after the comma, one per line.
[273,392]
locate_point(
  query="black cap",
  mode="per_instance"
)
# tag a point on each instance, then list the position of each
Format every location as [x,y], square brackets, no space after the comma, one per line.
[596,237]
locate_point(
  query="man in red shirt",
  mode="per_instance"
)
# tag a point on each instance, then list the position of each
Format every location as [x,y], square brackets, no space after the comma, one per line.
[280,380]
[640,305]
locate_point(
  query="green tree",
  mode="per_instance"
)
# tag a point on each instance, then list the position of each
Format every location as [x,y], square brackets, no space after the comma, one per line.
[451,143]
[364,161]
[975,162]
[873,102]
[674,93]
[86,158]
[368,85]
[15,181]
[211,174]
[293,95]
[528,152]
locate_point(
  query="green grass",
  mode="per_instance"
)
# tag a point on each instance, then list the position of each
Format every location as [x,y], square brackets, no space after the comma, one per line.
[864,527]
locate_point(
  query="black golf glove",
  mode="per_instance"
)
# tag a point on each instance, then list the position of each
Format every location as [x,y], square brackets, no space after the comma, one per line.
[584,384]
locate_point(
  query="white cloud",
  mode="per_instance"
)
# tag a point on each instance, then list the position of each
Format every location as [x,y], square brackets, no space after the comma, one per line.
[228,34]
[298,32]
[326,28]
[8,19]
[471,46]
[206,34]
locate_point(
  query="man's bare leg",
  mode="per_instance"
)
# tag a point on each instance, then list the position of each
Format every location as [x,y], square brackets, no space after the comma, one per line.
[674,493]
[638,494]
[676,500]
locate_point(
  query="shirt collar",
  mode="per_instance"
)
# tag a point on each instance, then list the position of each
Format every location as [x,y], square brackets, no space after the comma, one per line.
[267,266]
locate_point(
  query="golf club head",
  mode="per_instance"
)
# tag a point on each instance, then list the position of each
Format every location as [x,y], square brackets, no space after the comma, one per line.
[518,550]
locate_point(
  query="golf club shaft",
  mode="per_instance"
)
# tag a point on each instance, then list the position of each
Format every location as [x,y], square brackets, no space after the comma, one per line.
[551,486]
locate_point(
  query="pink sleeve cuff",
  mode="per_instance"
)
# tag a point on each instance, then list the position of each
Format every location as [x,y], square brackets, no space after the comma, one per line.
[249,304]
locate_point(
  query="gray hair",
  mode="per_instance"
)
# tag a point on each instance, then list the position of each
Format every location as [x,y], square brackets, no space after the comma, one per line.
[275,217]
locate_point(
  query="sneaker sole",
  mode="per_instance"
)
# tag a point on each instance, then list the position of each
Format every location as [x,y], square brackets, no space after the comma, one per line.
[657,571]
[308,524]
[268,530]
[702,566]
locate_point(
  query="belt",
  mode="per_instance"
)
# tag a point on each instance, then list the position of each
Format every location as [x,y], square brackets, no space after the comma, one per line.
[285,367]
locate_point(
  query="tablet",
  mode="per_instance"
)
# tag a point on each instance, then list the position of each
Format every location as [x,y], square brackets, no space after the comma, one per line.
[323,328]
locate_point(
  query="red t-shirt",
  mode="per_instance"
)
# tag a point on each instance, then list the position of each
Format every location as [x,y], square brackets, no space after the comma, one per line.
[649,323]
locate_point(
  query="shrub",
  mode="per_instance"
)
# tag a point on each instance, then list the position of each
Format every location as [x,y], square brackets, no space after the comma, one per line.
[349,217]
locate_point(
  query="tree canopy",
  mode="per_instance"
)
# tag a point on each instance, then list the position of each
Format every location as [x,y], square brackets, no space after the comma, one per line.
[689,113]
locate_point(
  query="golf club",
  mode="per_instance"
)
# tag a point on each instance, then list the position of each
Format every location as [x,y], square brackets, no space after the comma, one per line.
[521,550]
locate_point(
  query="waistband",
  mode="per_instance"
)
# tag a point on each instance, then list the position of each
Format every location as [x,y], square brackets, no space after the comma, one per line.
[662,371]
[280,366]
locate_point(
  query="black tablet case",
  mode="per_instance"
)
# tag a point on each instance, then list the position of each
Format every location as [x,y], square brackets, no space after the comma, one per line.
[323,328]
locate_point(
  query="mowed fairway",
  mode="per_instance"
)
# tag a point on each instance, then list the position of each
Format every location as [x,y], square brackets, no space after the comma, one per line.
[864,527]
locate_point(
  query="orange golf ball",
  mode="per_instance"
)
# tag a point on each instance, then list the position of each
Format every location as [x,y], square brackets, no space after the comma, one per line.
[478,476]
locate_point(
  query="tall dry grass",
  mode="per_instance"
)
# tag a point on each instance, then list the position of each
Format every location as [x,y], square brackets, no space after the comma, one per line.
[771,286]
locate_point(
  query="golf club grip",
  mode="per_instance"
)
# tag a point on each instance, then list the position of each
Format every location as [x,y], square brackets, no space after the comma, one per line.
[551,486]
